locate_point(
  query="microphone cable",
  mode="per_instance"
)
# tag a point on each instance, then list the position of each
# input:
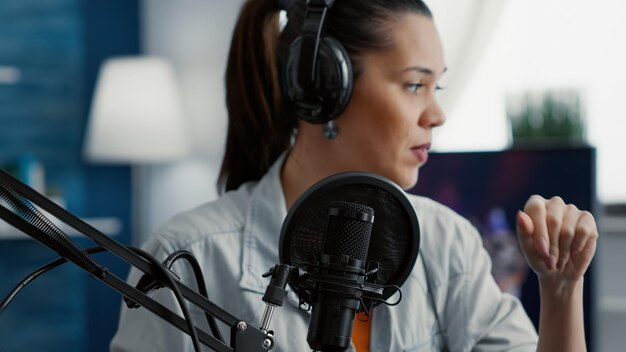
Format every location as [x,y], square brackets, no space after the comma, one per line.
[168,263]
[197,272]
[179,296]
[51,265]
[35,274]
[147,284]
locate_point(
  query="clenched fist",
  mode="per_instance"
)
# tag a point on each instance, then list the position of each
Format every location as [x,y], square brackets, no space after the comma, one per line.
[558,239]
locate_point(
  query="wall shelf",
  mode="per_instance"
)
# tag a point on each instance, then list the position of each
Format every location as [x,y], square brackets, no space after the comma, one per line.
[110,226]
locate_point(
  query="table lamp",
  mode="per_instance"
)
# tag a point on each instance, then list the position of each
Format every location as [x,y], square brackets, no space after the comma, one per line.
[136,118]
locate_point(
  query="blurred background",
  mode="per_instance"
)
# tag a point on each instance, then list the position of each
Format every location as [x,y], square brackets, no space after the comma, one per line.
[126,153]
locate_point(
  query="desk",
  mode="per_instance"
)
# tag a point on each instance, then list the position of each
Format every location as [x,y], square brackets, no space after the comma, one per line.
[611,285]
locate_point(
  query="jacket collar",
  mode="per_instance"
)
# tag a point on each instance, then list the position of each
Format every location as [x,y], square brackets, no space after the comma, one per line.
[265,215]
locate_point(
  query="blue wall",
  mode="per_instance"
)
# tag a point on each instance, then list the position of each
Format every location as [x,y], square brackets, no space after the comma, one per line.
[58,46]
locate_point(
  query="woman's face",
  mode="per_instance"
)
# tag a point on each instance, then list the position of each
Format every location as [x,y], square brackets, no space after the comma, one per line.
[387,125]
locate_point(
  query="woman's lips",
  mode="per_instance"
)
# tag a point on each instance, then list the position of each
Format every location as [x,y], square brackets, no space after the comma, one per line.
[421,152]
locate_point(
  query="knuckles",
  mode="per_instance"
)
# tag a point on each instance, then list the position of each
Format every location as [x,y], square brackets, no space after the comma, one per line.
[571,208]
[584,230]
[553,211]
[568,233]
[535,203]
[554,220]
[556,200]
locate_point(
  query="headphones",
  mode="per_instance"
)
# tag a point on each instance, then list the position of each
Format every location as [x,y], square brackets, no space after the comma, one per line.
[317,73]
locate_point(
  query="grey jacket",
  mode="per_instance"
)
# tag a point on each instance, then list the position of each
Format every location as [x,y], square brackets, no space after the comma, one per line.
[236,240]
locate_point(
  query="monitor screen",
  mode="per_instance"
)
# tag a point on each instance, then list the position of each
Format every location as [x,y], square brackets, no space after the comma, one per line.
[488,188]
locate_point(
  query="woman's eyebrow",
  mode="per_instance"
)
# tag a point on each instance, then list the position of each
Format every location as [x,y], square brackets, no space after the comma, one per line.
[423,69]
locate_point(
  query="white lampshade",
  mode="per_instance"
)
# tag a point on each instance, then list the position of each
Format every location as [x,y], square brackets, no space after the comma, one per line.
[136,115]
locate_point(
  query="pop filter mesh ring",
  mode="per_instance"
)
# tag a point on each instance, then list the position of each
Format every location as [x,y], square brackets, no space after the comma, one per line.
[351,183]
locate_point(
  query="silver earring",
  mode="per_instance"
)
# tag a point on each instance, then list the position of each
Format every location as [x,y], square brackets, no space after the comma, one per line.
[330,130]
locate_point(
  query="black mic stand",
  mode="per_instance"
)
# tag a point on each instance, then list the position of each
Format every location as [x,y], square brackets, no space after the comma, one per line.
[244,337]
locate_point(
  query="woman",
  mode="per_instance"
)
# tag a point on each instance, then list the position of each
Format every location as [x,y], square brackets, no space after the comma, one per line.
[385,127]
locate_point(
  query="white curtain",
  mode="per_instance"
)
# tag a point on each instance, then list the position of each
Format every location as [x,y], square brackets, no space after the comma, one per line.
[466,28]
[191,35]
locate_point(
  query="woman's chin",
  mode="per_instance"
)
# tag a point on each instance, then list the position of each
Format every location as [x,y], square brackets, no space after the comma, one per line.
[408,180]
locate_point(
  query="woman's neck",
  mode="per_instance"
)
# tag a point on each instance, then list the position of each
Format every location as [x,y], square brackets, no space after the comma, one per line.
[305,165]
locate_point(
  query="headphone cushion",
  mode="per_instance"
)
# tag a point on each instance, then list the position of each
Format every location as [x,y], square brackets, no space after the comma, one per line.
[331,91]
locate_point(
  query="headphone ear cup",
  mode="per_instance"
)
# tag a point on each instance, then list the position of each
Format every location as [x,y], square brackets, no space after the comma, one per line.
[330,93]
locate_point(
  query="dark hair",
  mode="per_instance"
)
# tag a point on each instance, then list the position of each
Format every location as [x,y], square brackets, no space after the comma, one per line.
[260,126]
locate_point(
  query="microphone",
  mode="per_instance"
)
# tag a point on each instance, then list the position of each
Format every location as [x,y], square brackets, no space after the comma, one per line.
[346,262]
[340,276]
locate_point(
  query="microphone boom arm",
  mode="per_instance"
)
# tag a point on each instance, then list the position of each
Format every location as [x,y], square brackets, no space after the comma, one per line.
[244,337]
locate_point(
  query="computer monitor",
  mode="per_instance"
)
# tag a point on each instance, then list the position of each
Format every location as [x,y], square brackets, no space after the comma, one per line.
[488,188]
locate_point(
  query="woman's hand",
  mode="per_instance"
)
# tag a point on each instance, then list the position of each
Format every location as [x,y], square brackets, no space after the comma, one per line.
[558,239]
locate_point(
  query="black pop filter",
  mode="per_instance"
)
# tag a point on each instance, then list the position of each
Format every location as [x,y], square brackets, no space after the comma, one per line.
[395,237]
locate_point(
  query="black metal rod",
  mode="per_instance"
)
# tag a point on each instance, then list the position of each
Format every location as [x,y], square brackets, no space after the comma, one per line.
[108,243]
[114,282]
[242,338]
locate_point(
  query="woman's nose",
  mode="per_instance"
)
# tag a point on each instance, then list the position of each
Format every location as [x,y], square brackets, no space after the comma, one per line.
[433,116]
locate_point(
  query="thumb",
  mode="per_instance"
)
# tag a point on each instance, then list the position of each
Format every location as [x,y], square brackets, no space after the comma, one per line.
[525,226]
[525,230]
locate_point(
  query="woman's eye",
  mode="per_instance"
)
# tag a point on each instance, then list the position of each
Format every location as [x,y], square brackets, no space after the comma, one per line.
[414,87]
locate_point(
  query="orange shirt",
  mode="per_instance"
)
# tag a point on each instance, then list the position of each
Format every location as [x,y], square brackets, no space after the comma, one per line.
[361,333]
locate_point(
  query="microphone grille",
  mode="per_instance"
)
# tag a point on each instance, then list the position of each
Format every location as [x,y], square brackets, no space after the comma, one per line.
[349,230]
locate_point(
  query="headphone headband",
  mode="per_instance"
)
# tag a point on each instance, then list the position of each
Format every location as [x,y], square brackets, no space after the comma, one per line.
[312,29]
